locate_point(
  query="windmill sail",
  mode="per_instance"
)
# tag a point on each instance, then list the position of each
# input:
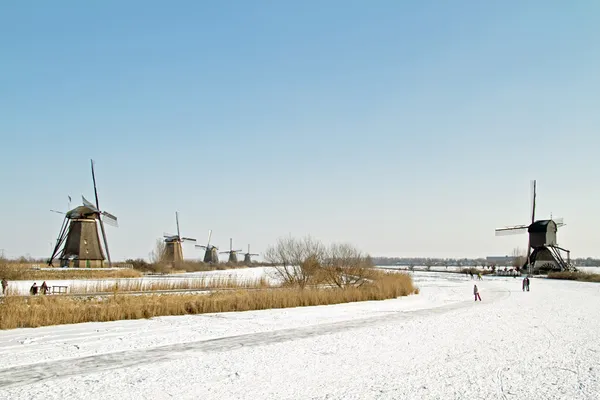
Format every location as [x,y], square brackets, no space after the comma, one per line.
[88,204]
[110,219]
[512,230]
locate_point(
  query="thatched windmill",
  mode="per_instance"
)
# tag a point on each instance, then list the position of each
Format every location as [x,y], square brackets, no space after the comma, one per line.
[79,235]
[211,255]
[543,252]
[247,257]
[173,249]
[232,253]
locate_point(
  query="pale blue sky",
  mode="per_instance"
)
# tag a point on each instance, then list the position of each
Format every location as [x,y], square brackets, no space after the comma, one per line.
[406,128]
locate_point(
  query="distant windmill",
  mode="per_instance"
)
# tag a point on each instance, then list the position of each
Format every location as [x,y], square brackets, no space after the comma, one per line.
[543,252]
[79,234]
[173,248]
[211,255]
[232,253]
[247,257]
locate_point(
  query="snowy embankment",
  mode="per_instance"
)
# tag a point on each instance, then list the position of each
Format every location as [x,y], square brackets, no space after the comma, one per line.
[439,344]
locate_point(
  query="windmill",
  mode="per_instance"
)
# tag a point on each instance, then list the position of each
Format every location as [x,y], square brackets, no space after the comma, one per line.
[543,252]
[173,248]
[232,253]
[247,259]
[211,255]
[79,234]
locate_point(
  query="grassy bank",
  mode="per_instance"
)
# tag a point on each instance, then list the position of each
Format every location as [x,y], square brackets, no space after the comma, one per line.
[15,272]
[16,312]
[575,276]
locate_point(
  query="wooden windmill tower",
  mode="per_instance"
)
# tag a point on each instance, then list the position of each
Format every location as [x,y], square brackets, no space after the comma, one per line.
[78,241]
[232,253]
[211,255]
[543,252]
[173,248]
[247,257]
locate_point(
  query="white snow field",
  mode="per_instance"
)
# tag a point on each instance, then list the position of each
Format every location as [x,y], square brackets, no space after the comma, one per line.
[440,344]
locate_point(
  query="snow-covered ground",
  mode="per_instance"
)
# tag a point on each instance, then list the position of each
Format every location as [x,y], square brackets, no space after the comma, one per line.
[439,344]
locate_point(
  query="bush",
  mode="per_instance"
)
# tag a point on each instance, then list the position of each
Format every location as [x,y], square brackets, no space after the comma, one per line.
[299,262]
[575,276]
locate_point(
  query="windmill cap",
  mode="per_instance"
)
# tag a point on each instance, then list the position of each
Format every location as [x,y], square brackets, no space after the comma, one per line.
[81,212]
[541,226]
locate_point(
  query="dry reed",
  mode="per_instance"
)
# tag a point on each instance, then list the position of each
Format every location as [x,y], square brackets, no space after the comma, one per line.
[19,312]
[14,272]
[575,276]
[202,282]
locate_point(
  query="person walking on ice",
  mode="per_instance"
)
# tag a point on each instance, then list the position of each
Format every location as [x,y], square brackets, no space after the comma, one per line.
[4,285]
[476,293]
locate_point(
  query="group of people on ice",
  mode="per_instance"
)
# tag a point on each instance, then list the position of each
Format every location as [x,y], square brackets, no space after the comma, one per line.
[479,278]
[42,289]
[525,288]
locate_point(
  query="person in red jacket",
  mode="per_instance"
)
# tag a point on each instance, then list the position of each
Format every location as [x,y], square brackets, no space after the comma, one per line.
[476,293]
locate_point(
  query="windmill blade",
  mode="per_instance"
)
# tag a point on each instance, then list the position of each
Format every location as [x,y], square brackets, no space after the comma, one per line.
[98,209]
[95,189]
[253,254]
[88,204]
[188,240]
[177,221]
[105,242]
[533,196]
[110,219]
[58,212]
[513,231]
[209,235]
[237,251]
[200,246]
[224,252]
[558,221]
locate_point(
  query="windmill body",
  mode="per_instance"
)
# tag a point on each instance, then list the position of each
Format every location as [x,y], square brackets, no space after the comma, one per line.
[211,253]
[543,252]
[173,248]
[232,253]
[83,241]
[78,243]
[248,257]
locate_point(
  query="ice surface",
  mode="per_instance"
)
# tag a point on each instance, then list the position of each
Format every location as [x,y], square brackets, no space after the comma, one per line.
[439,344]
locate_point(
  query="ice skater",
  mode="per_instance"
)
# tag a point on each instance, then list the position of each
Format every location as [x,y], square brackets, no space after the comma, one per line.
[526,283]
[476,293]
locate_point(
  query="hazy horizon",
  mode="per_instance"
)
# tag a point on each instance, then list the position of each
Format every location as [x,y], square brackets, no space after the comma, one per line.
[404,129]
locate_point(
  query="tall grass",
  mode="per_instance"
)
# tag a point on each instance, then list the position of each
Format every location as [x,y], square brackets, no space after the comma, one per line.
[203,282]
[18,312]
[575,276]
[17,271]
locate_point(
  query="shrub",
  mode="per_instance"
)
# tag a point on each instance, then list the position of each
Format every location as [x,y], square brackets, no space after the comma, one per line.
[575,276]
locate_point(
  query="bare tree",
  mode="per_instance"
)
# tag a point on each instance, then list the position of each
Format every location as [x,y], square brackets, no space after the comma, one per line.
[345,266]
[519,257]
[158,254]
[296,261]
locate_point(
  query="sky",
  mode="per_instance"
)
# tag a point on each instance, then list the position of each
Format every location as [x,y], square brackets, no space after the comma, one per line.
[403,128]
